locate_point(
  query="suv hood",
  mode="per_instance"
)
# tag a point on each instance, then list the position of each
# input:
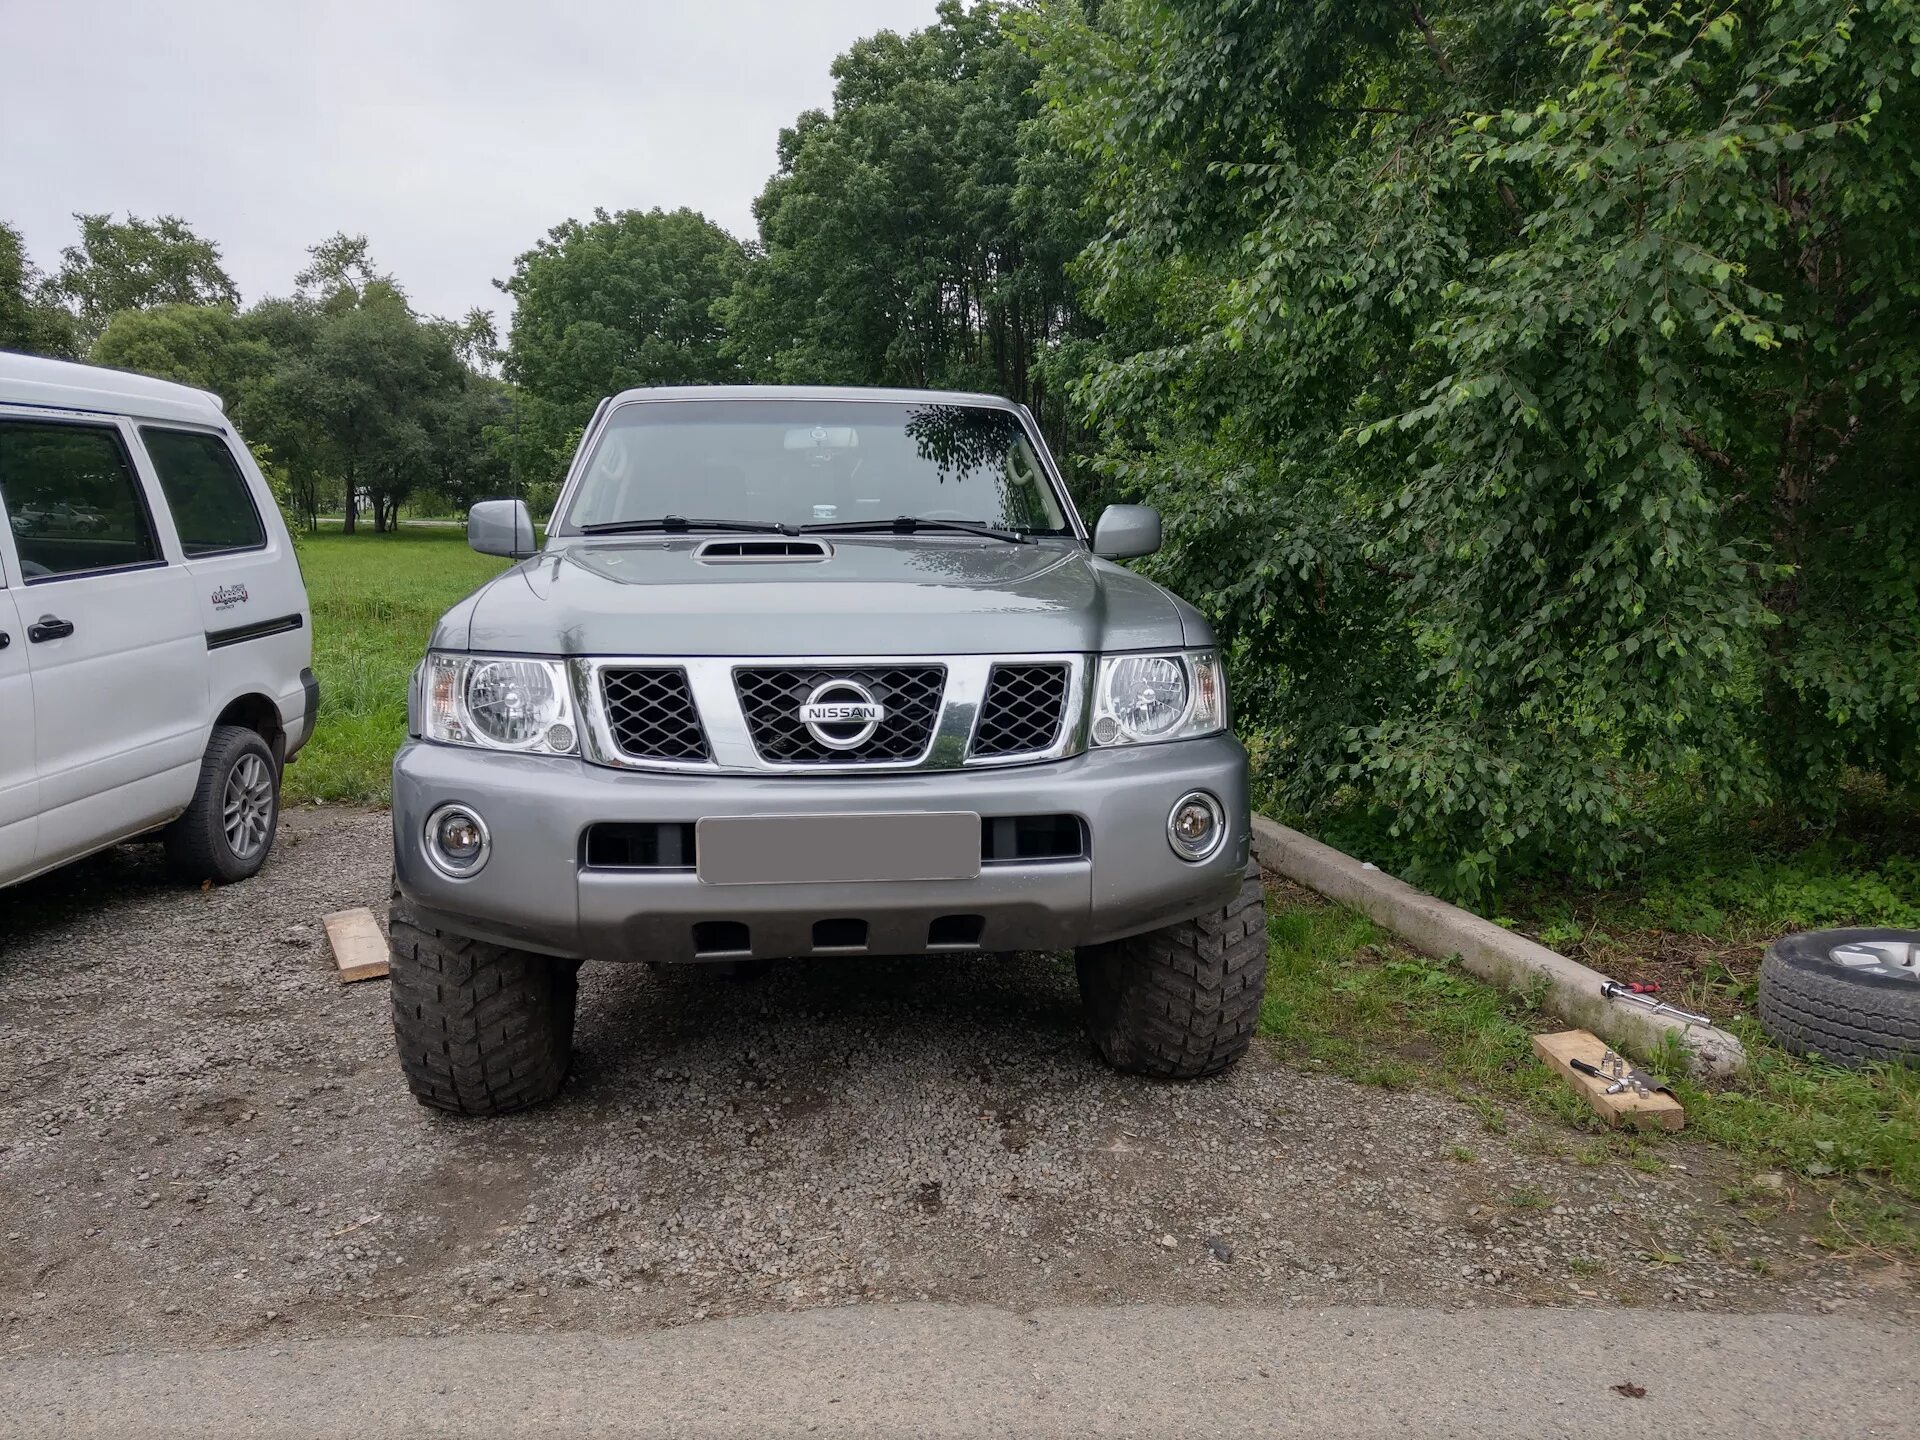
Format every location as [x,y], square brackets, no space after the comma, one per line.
[885,595]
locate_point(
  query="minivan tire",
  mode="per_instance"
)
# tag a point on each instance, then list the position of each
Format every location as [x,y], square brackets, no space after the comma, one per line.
[482,1029]
[227,831]
[1181,1002]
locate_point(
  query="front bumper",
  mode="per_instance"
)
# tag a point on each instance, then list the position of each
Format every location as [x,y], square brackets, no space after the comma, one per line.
[537,893]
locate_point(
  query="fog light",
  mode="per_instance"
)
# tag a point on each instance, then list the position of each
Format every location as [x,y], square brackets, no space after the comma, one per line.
[1196,826]
[457,841]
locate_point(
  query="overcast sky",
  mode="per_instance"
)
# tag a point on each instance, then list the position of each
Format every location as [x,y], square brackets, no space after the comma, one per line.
[453,133]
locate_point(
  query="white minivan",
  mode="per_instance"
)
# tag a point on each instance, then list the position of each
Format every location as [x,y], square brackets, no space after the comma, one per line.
[155,651]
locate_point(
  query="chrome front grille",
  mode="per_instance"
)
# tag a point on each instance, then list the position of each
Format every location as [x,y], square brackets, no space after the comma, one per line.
[741,715]
[771,698]
[1023,710]
[652,715]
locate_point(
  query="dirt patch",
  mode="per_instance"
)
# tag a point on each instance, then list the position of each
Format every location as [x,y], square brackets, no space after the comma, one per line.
[1695,969]
[204,1139]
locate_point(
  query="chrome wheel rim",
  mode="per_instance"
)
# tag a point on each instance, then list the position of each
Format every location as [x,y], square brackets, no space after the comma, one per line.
[1894,959]
[247,814]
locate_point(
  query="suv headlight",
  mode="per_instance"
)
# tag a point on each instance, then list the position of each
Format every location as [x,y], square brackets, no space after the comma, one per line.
[500,702]
[1143,698]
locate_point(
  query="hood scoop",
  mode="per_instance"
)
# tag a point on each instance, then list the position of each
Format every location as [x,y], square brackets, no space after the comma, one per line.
[772,550]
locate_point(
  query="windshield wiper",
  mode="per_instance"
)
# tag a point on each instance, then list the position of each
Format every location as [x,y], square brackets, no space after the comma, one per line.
[680,525]
[912,525]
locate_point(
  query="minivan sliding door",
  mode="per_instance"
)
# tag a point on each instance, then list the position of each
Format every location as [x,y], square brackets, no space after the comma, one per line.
[111,634]
[19,793]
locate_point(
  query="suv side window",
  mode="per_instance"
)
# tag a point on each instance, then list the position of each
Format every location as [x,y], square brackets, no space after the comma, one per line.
[212,505]
[72,499]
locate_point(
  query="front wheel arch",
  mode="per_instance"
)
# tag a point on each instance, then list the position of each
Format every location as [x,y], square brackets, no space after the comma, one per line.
[257,712]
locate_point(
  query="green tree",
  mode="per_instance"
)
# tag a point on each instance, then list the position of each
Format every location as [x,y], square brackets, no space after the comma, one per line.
[355,401]
[276,411]
[476,341]
[207,346]
[374,381]
[1532,389]
[339,270]
[919,234]
[346,393]
[622,300]
[135,264]
[471,429]
[30,320]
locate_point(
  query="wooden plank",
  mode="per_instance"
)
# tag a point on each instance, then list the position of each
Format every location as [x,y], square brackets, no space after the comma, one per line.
[1657,1111]
[359,949]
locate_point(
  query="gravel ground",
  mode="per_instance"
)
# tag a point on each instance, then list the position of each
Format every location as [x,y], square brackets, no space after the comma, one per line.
[204,1139]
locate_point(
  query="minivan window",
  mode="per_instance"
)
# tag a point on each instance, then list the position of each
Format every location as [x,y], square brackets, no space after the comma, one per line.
[211,504]
[72,500]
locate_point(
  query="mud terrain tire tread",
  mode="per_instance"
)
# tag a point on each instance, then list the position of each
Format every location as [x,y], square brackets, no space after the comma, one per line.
[1812,1006]
[1181,1002]
[482,1029]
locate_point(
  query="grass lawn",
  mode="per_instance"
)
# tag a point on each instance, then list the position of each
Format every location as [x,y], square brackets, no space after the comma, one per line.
[375,600]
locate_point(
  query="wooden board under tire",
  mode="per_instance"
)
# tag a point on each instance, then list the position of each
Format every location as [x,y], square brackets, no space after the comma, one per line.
[1658,1111]
[359,949]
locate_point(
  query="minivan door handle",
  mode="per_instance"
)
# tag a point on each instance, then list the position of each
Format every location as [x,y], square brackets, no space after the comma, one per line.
[49,627]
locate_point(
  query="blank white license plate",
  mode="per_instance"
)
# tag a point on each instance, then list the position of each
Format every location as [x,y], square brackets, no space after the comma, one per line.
[837,849]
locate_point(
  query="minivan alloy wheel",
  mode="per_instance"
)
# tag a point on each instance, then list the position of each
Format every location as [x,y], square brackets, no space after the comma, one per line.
[226,832]
[247,812]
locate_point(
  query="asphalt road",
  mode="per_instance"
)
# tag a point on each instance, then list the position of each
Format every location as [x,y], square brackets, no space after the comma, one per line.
[931,1370]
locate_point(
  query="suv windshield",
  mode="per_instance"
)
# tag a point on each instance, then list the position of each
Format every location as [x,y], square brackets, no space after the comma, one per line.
[815,462]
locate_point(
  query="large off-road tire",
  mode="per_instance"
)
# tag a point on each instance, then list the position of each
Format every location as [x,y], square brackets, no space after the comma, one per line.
[482,1029]
[227,831]
[1814,1002]
[1182,1002]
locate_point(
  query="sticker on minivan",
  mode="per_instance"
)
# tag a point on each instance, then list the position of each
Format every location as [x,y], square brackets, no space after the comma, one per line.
[228,596]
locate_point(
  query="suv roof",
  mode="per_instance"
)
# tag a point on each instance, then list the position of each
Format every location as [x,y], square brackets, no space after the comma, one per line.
[810,392]
[34,380]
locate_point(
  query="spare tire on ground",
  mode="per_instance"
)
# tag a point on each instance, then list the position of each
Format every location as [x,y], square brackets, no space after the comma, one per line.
[1849,996]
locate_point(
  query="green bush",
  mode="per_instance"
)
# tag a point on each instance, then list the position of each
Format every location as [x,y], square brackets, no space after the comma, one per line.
[1531,391]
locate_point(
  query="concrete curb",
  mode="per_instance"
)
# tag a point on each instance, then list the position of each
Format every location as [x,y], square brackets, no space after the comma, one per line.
[1510,961]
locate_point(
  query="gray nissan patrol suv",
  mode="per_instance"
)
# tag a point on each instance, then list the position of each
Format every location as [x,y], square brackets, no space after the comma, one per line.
[815,672]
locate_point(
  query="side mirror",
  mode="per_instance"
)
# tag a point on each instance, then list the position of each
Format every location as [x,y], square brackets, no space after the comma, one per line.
[501,527]
[1126,531]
